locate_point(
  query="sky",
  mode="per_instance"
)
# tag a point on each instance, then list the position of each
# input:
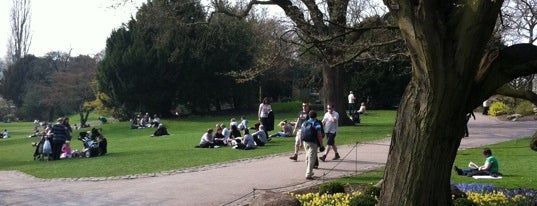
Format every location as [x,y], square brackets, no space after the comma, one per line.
[81,26]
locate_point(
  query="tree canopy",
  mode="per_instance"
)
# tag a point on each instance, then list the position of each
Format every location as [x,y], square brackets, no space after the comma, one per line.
[179,58]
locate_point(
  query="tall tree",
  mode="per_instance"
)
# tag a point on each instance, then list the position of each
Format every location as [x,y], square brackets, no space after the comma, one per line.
[324,32]
[19,76]
[70,87]
[452,73]
[273,57]
[519,25]
[174,56]
[20,39]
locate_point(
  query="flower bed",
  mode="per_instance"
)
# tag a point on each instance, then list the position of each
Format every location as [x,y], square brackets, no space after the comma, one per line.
[480,194]
[314,199]
[485,194]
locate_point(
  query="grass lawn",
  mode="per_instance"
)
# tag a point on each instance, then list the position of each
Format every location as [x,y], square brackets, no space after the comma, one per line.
[517,164]
[132,151]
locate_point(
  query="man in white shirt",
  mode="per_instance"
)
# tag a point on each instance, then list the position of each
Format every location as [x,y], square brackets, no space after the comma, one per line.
[330,122]
[351,102]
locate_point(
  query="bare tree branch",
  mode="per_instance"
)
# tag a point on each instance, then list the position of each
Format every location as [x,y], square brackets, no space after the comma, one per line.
[20,39]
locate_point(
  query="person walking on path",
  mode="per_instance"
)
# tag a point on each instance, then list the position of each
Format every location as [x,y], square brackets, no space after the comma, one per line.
[330,122]
[302,116]
[468,116]
[352,100]
[486,106]
[311,142]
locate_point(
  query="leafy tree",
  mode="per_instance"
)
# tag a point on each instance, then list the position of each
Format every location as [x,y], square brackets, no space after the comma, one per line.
[272,57]
[379,74]
[70,88]
[170,55]
[379,83]
[21,76]
[228,45]
[323,32]
[452,73]
[46,87]
[148,61]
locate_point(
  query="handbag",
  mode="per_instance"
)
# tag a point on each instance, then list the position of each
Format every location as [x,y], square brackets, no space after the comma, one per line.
[47,148]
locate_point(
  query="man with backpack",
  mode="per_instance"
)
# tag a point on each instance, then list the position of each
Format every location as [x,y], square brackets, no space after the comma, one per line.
[311,138]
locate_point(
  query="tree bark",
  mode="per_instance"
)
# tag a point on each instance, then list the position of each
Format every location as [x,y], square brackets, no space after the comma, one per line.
[332,90]
[446,44]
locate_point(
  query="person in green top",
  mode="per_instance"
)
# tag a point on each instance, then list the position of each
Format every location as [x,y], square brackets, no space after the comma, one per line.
[491,166]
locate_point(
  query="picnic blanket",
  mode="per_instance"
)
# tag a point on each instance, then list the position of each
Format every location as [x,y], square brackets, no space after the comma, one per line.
[486,177]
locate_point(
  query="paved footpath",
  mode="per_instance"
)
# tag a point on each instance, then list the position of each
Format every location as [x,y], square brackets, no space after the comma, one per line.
[232,183]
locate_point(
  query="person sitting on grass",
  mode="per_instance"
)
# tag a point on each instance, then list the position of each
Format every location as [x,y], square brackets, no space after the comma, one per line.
[244,124]
[247,142]
[226,133]
[362,109]
[207,140]
[235,133]
[490,167]
[286,130]
[5,134]
[232,122]
[219,138]
[260,137]
[66,151]
[36,133]
[161,130]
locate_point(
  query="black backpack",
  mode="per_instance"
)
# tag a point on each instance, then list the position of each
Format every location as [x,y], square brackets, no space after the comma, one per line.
[308,132]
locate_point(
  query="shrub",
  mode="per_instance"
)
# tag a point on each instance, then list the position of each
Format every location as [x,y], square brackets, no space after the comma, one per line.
[499,108]
[284,107]
[524,108]
[331,188]
[463,202]
[363,200]
[371,190]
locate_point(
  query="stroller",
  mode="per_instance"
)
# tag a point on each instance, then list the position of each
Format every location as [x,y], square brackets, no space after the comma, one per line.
[39,154]
[91,146]
[355,116]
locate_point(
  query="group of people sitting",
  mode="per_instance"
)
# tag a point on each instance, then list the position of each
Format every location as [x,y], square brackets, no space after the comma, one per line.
[238,136]
[55,141]
[145,121]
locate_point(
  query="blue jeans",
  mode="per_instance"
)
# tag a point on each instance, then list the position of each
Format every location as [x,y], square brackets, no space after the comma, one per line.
[472,172]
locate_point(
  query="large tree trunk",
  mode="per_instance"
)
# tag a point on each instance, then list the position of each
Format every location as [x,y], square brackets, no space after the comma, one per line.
[446,44]
[430,121]
[334,93]
[424,144]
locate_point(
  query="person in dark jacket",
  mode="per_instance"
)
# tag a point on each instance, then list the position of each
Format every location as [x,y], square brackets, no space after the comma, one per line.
[60,134]
[161,130]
